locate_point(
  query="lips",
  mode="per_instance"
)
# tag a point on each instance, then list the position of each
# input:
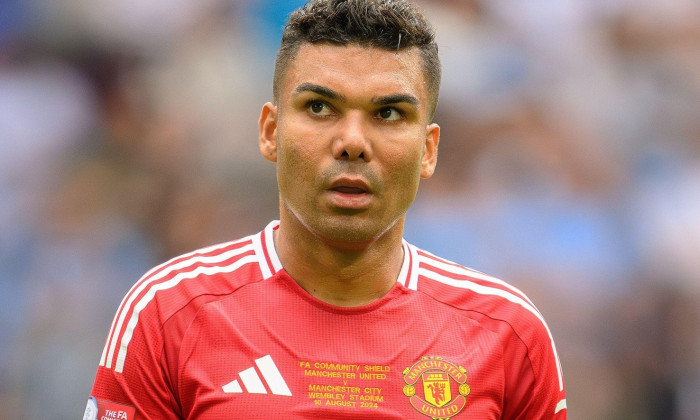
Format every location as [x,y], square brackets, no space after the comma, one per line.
[349,190]
[350,186]
[350,193]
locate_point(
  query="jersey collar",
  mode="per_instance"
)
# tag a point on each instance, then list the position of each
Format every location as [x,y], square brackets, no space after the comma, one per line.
[270,263]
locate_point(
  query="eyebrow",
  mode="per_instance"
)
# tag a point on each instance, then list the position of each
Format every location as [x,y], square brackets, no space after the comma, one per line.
[331,94]
[320,90]
[395,99]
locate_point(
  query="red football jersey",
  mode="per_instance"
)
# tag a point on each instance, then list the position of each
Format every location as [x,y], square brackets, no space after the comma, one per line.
[226,333]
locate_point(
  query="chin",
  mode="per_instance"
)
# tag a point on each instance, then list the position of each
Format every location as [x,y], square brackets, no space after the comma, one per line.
[352,230]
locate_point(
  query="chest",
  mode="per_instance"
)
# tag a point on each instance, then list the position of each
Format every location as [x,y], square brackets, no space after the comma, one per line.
[297,361]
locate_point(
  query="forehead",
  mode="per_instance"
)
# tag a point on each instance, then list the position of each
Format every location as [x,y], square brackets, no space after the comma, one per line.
[357,71]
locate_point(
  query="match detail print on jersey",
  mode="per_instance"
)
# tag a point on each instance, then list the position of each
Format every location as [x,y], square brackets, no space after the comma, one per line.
[346,384]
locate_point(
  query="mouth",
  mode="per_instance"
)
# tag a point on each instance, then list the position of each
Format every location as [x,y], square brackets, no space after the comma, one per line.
[350,186]
[350,193]
[349,190]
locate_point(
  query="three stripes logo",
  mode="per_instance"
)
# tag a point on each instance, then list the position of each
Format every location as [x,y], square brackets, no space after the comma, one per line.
[254,384]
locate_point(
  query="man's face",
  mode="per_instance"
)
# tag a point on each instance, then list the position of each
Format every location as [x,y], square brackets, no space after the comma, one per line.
[351,138]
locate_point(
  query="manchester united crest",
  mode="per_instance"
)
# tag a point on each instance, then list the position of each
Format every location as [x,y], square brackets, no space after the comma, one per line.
[437,388]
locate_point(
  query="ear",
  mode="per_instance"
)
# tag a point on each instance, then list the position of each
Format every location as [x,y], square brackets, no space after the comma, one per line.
[430,151]
[267,132]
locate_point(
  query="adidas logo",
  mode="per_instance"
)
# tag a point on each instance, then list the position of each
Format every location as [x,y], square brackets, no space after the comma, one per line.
[254,385]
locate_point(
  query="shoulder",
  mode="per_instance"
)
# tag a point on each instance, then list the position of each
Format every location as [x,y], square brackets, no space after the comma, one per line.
[471,290]
[213,270]
[488,299]
[496,304]
[174,291]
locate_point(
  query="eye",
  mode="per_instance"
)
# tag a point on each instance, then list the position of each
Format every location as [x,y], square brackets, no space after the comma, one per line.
[389,114]
[319,108]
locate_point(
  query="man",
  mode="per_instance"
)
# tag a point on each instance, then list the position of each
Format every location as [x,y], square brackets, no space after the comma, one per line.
[329,313]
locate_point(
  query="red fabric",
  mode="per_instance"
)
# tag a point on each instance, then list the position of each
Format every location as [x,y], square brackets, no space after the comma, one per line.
[223,342]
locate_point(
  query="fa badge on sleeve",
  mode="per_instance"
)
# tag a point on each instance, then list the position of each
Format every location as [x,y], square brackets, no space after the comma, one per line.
[107,410]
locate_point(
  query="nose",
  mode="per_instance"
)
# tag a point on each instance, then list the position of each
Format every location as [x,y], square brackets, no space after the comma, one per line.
[352,142]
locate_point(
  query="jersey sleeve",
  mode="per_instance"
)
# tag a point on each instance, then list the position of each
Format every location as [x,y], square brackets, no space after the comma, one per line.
[535,387]
[140,365]
[133,371]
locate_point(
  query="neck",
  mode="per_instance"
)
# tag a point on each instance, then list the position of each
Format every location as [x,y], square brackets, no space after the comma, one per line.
[340,273]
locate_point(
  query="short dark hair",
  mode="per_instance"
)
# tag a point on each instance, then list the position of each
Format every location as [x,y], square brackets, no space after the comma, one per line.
[387,24]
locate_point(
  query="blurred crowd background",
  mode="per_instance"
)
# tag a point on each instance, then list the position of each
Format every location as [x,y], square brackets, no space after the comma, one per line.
[569,166]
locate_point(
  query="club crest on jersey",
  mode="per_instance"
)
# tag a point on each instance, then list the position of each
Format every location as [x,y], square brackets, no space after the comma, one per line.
[436,387]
